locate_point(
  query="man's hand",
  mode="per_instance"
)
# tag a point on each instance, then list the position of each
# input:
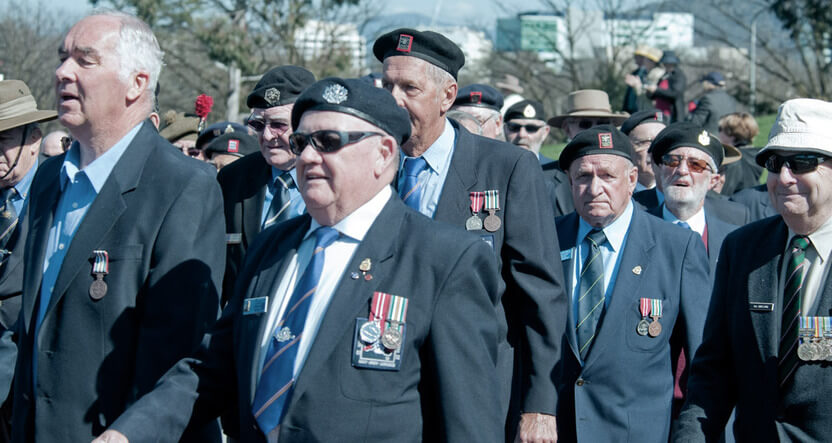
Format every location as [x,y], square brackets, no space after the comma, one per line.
[537,428]
[111,436]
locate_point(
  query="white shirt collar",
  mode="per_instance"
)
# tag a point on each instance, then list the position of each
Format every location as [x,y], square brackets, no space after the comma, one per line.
[356,224]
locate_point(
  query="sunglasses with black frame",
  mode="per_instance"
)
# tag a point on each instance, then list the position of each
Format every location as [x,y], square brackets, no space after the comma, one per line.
[797,164]
[326,140]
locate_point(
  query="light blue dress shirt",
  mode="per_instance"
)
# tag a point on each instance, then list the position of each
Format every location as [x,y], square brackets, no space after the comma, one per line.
[616,233]
[19,201]
[79,187]
[296,206]
[438,157]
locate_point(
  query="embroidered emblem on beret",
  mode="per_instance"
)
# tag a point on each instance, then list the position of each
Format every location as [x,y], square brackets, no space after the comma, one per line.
[476,97]
[605,140]
[272,96]
[233,145]
[405,43]
[335,94]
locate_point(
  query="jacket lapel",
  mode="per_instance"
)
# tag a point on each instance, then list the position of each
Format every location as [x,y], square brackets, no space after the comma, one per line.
[352,296]
[763,288]
[253,207]
[462,176]
[105,210]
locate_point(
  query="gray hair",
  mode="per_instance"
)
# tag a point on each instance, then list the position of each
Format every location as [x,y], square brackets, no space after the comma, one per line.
[439,77]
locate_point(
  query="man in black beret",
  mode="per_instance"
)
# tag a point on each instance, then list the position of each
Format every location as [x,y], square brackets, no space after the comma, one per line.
[339,365]
[642,127]
[484,103]
[231,144]
[492,189]
[260,189]
[526,126]
[635,284]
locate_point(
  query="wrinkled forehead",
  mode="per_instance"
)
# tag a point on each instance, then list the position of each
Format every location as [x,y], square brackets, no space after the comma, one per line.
[94,34]
[600,163]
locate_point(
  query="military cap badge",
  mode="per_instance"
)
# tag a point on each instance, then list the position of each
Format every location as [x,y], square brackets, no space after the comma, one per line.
[272,96]
[605,140]
[335,94]
[528,111]
[704,139]
[405,43]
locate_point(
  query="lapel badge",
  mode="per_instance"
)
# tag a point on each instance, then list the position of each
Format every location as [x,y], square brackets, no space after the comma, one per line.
[365,267]
[354,275]
[637,270]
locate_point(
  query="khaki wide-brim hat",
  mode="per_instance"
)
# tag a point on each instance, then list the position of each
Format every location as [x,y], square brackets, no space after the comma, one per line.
[589,103]
[18,107]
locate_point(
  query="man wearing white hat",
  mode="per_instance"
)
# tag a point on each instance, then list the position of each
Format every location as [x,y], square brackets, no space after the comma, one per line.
[766,344]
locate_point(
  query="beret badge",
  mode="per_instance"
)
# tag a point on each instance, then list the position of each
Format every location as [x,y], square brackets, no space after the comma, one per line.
[528,112]
[405,43]
[704,139]
[272,96]
[335,94]
[605,140]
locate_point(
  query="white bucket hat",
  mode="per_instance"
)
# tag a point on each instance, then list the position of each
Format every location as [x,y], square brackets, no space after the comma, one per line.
[802,125]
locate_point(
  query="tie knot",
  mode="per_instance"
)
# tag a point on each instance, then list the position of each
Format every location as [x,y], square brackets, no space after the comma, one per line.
[597,237]
[8,194]
[284,180]
[325,236]
[414,165]
[800,242]
[683,224]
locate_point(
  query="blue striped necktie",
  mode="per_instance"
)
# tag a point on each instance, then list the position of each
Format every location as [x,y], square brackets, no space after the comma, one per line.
[591,296]
[277,377]
[791,308]
[411,192]
[279,208]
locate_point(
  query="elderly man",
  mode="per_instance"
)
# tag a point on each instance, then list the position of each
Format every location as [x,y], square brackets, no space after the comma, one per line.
[124,256]
[586,108]
[398,340]
[635,284]
[260,189]
[181,130]
[768,328]
[526,126]
[224,143]
[642,128]
[484,103]
[494,190]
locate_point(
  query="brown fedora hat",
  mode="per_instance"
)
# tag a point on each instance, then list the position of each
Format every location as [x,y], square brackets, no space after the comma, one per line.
[588,103]
[18,107]
[511,84]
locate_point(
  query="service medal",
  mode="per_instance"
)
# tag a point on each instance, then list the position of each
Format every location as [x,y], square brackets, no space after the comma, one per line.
[492,204]
[391,339]
[98,288]
[644,308]
[370,332]
[655,327]
[643,327]
[100,268]
[474,223]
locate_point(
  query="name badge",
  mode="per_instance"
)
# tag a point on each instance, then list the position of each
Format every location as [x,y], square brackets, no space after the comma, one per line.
[565,255]
[255,305]
[761,307]
[234,239]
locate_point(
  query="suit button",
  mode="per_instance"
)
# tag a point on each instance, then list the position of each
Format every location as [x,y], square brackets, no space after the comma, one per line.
[580,382]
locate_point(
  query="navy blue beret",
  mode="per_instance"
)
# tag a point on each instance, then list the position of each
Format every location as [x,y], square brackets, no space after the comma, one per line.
[686,134]
[479,95]
[530,109]
[358,98]
[601,139]
[235,143]
[648,115]
[279,86]
[217,129]
[429,46]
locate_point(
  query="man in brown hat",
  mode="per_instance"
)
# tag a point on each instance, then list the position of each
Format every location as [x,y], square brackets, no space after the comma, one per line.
[586,108]
[20,138]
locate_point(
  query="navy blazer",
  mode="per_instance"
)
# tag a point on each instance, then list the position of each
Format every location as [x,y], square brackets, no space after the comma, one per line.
[445,390]
[737,362]
[624,390]
[158,216]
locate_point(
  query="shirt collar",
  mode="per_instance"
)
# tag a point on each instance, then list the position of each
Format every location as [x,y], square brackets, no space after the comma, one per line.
[820,239]
[438,155]
[615,231]
[22,187]
[696,222]
[99,170]
[356,224]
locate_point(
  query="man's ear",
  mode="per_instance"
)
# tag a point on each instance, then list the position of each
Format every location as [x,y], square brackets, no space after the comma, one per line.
[138,85]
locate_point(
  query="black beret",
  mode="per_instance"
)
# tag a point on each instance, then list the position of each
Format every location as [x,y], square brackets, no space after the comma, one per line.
[530,109]
[479,95]
[358,98]
[217,129]
[686,134]
[648,115]
[429,46]
[279,86]
[234,143]
[601,139]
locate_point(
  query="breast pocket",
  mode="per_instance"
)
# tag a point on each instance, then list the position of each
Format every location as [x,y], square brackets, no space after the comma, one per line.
[646,334]
[122,271]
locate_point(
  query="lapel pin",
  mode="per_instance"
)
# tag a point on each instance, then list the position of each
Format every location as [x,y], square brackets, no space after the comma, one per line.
[637,270]
[365,265]
[354,276]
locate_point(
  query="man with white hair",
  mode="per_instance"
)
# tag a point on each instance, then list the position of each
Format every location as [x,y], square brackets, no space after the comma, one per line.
[765,348]
[125,253]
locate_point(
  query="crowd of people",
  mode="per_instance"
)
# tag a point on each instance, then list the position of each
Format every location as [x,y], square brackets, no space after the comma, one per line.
[392,258]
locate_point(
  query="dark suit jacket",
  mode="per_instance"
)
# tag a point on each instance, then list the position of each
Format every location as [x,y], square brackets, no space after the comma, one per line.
[711,107]
[757,201]
[157,217]
[526,244]
[243,186]
[737,362]
[717,230]
[445,390]
[743,174]
[624,390]
[720,206]
[557,183]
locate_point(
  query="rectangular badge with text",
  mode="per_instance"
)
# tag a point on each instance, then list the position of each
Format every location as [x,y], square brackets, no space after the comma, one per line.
[255,305]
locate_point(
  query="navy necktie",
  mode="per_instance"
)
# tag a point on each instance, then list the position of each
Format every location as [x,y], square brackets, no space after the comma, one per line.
[277,377]
[279,208]
[8,216]
[411,192]
[591,296]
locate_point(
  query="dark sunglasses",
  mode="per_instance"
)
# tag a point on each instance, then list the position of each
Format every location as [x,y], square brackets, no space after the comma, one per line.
[588,123]
[797,164]
[326,140]
[694,164]
[275,126]
[515,127]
